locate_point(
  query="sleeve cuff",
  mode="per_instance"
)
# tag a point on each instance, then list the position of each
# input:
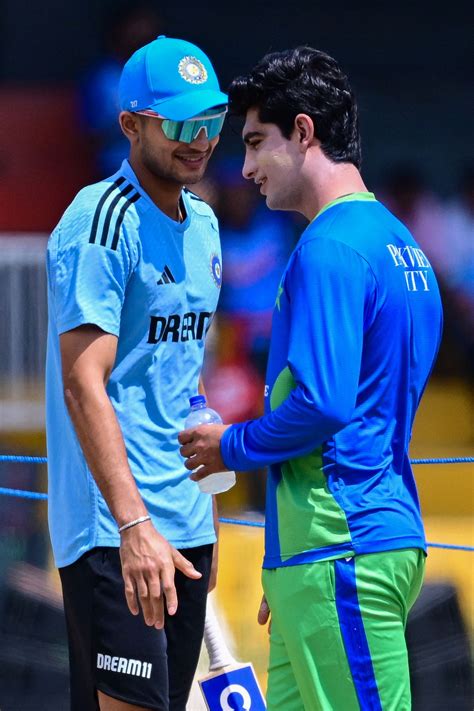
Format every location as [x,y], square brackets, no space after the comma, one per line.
[83,319]
[226,448]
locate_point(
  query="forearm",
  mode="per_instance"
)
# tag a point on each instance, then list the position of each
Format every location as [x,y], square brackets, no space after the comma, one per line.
[101,439]
[298,426]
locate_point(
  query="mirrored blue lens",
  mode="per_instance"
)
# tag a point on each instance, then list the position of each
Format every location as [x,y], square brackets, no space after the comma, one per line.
[188,131]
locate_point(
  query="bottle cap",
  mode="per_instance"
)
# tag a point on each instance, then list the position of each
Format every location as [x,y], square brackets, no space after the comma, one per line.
[197,400]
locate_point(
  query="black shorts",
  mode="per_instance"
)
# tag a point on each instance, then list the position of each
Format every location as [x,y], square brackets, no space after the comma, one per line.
[115,652]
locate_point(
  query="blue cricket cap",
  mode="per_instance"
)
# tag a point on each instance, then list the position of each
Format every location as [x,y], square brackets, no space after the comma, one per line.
[172,77]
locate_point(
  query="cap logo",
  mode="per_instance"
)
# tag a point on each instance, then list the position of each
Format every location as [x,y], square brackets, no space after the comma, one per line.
[192,70]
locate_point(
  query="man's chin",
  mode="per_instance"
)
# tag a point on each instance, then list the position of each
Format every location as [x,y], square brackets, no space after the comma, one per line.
[272,203]
[192,181]
[195,177]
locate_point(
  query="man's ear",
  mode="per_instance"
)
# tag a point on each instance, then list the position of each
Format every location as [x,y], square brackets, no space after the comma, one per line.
[129,123]
[304,130]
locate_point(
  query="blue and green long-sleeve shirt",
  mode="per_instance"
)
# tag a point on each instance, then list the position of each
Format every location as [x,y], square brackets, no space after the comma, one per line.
[356,329]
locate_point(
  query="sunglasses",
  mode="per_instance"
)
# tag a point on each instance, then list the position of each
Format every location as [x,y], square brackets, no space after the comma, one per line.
[187,131]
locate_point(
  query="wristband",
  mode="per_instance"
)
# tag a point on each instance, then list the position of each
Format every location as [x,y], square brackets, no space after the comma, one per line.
[142,519]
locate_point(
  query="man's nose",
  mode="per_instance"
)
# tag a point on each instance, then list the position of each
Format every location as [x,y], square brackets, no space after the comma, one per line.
[248,168]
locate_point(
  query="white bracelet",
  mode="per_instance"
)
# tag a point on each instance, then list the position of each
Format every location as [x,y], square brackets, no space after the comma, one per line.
[134,523]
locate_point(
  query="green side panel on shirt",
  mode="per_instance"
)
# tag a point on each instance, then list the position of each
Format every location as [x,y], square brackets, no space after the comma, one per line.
[309,516]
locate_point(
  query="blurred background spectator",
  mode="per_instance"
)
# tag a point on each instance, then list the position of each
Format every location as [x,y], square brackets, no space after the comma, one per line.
[444,229]
[128,27]
[406,193]
[459,272]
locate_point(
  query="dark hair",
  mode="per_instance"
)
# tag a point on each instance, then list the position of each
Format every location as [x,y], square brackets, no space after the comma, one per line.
[302,80]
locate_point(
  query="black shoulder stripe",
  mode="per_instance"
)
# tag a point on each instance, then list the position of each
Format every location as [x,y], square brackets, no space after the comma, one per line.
[110,212]
[100,205]
[120,219]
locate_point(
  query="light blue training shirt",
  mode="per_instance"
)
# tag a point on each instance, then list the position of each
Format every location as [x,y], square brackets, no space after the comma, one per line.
[116,261]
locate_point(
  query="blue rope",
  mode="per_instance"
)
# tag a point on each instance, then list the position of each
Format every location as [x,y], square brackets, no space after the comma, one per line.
[446,460]
[11,458]
[237,522]
[450,546]
[256,524]
[21,493]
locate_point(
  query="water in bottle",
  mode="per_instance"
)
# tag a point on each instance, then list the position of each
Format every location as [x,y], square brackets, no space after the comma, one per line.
[200,414]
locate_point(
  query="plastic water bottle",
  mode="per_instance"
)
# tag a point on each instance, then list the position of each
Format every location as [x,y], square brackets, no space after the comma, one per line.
[200,414]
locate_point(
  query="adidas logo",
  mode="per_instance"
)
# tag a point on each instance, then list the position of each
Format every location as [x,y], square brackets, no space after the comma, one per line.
[166,277]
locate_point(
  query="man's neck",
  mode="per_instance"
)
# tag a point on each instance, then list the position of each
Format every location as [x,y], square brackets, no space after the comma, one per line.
[164,193]
[327,182]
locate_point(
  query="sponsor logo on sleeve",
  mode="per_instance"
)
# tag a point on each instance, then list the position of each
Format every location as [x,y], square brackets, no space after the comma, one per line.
[216,270]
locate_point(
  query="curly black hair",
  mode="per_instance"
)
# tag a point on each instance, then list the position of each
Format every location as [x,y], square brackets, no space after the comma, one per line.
[302,80]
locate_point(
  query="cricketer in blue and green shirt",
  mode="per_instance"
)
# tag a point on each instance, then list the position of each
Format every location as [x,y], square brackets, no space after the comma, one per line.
[356,329]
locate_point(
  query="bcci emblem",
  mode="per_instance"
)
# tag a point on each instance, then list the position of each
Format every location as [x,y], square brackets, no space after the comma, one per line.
[192,70]
[216,270]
